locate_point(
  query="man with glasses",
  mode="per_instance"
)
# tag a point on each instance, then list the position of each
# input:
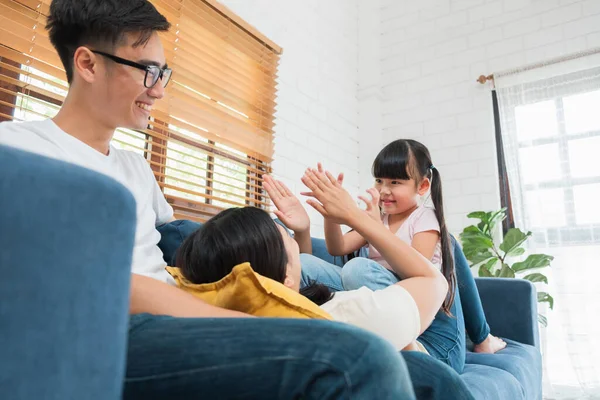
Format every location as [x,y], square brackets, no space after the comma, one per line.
[179,346]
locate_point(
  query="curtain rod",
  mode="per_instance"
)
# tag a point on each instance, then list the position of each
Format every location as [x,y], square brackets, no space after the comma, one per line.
[484,78]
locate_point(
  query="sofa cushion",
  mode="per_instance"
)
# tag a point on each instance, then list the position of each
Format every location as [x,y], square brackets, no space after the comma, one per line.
[489,383]
[246,291]
[521,361]
[172,236]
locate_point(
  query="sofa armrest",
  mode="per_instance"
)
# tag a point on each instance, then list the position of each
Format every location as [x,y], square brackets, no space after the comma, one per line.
[510,307]
[66,246]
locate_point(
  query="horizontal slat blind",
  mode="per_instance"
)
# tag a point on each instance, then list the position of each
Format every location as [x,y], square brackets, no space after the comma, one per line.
[210,140]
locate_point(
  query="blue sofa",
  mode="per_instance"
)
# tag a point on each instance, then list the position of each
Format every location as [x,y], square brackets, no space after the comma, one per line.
[65,277]
[510,306]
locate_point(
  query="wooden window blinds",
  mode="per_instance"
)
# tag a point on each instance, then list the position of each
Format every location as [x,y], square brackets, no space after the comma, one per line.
[209,141]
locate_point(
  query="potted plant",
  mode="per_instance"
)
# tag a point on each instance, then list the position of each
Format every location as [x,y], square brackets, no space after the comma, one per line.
[496,260]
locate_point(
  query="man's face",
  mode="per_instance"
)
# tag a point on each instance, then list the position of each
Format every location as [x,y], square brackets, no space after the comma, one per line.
[121,93]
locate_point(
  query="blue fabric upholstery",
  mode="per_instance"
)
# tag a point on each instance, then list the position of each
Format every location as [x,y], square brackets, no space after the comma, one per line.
[172,236]
[64,290]
[510,306]
[515,315]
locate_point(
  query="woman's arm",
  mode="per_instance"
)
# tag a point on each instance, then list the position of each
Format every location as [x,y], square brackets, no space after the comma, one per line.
[304,241]
[422,279]
[290,212]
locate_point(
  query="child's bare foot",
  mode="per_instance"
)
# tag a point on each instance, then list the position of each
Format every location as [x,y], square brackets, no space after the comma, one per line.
[490,345]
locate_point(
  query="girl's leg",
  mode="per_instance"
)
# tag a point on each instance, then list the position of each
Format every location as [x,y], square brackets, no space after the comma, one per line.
[475,322]
[316,270]
[361,271]
[445,337]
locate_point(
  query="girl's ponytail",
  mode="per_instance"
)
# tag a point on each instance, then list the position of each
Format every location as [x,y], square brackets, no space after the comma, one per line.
[447,258]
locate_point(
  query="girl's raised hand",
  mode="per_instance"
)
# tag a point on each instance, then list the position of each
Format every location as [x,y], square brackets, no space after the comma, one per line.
[372,209]
[330,199]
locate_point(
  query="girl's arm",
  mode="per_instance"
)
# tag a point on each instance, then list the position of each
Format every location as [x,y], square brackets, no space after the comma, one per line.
[424,282]
[339,244]
[426,242]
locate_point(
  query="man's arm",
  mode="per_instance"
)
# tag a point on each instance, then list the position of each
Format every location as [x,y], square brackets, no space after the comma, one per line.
[151,296]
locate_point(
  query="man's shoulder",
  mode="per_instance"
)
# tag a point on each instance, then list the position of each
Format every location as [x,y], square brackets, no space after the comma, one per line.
[130,161]
[29,136]
[9,127]
[127,156]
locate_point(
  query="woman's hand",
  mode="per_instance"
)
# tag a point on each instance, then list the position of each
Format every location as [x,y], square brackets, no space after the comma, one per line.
[332,201]
[373,209]
[289,209]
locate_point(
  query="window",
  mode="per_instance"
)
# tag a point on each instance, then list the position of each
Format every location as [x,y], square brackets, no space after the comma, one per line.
[558,139]
[210,140]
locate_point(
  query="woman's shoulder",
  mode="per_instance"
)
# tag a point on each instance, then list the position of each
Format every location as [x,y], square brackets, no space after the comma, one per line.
[390,312]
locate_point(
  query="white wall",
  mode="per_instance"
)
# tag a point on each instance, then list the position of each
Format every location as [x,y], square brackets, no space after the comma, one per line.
[317,112]
[431,53]
[357,74]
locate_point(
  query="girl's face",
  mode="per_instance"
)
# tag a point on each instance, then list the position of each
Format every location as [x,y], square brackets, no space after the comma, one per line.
[398,195]
[294,268]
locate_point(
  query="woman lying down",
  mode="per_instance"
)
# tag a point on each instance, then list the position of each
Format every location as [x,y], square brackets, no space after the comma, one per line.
[399,313]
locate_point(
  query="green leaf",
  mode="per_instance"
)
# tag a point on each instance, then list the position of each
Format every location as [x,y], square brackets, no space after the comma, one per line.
[490,264]
[480,241]
[542,320]
[499,215]
[482,226]
[517,251]
[470,229]
[544,297]
[506,272]
[484,273]
[537,277]
[514,238]
[477,214]
[532,262]
[479,257]
[493,219]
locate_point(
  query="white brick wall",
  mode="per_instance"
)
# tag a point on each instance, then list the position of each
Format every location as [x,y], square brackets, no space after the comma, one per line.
[356,74]
[317,112]
[431,53]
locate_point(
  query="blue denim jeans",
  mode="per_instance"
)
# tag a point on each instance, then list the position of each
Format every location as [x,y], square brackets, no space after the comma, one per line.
[177,358]
[444,339]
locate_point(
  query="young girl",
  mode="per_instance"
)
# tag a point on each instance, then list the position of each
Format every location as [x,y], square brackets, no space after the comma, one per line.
[403,173]
[398,312]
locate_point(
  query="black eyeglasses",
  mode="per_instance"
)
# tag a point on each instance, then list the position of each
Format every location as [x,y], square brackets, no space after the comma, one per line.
[153,72]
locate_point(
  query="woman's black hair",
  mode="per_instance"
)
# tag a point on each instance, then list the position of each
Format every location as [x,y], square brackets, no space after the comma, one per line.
[404,159]
[100,23]
[236,236]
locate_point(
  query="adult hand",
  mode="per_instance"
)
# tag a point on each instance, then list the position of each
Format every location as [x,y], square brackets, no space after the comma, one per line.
[289,209]
[340,179]
[331,200]
[372,209]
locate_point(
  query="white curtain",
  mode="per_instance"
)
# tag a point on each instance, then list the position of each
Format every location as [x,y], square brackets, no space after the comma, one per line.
[550,123]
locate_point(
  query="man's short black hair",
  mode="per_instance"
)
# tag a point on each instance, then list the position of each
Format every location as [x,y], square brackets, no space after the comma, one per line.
[100,23]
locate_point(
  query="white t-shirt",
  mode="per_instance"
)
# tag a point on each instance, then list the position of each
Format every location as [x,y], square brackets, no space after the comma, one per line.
[390,313]
[130,169]
[423,219]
